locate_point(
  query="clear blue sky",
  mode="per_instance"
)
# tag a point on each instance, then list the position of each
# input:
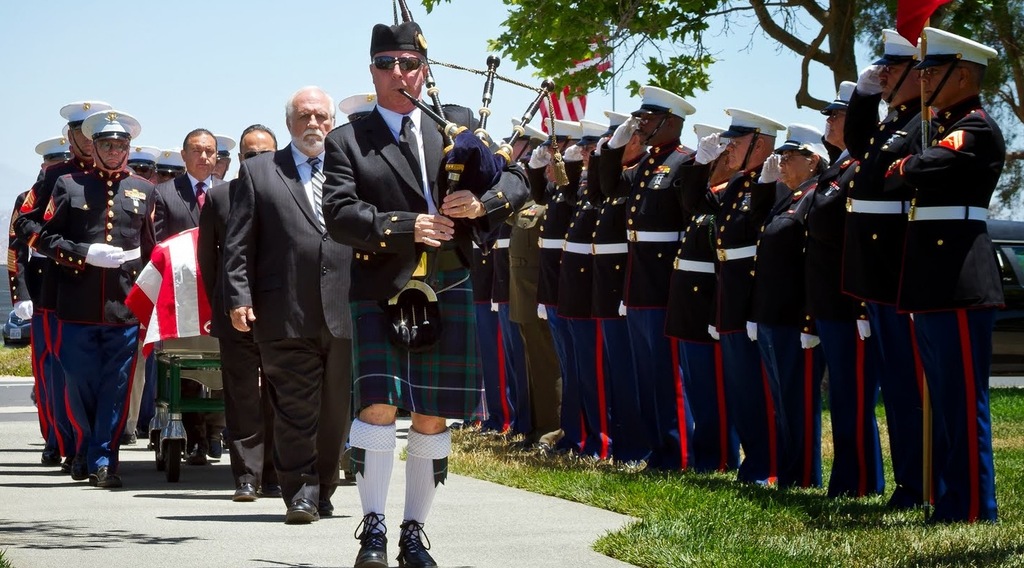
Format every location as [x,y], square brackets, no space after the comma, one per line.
[224,65]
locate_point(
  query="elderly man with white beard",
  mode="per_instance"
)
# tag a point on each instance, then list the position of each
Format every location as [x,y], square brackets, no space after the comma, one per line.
[288,282]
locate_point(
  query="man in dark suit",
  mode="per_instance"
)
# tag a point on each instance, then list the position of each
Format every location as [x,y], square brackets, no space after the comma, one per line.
[381,197]
[177,203]
[247,409]
[289,281]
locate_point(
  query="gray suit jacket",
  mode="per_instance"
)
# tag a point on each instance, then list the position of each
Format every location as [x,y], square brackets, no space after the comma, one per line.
[277,259]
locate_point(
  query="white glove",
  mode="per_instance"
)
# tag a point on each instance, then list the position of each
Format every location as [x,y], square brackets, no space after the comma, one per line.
[23,309]
[863,329]
[868,83]
[752,330]
[542,312]
[573,154]
[540,158]
[104,255]
[600,144]
[624,132]
[713,332]
[771,169]
[709,149]
[808,341]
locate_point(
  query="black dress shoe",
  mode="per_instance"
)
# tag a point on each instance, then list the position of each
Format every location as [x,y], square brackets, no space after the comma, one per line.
[373,542]
[66,466]
[270,490]
[50,457]
[103,478]
[301,512]
[129,439]
[411,551]
[245,493]
[197,457]
[79,469]
[325,508]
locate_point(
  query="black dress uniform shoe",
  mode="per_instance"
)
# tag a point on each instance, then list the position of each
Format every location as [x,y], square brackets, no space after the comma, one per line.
[325,508]
[79,469]
[197,457]
[411,551]
[270,490]
[50,457]
[66,466]
[373,542]
[103,478]
[245,493]
[129,439]
[301,512]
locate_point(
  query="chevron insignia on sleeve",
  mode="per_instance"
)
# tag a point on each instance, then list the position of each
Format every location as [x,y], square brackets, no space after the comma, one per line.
[50,208]
[12,261]
[954,141]
[30,201]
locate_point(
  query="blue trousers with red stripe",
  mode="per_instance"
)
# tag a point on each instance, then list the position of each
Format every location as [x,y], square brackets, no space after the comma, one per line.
[514,352]
[53,375]
[593,387]
[42,391]
[663,402]
[627,428]
[853,371]
[570,409]
[751,396]
[798,372]
[716,447]
[489,346]
[98,362]
[956,352]
[901,396]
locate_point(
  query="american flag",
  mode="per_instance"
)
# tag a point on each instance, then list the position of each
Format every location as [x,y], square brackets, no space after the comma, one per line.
[568,105]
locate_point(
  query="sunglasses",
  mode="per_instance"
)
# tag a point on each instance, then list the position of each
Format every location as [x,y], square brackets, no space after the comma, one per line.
[254,153]
[112,145]
[143,171]
[387,63]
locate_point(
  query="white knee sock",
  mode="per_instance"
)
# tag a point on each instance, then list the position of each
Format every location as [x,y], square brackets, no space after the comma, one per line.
[377,444]
[426,465]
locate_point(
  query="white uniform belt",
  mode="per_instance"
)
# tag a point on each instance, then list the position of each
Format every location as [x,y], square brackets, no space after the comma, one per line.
[952,213]
[578,248]
[736,253]
[877,207]
[694,266]
[652,236]
[611,248]
[501,243]
[550,243]
[133,254]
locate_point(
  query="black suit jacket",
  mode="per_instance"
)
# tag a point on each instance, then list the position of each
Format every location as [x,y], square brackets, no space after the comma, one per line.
[372,198]
[277,259]
[213,224]
[176,207]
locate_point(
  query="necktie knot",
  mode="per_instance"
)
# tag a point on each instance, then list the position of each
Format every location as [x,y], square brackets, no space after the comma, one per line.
[314,163]
[201,194]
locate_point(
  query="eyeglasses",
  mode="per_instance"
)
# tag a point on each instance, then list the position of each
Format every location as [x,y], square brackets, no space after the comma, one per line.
[254,153]
[144,171]
[929,72]
[112,145]
[790,156]
[387,62]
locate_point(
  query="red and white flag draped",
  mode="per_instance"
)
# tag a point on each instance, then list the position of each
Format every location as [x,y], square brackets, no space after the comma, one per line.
[567,105]
[168,297]
[911,16]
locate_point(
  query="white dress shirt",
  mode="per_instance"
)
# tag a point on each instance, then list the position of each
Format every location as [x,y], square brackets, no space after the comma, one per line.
[394,122]
[306,172]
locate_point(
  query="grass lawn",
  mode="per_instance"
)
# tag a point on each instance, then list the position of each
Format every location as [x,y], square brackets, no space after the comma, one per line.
[688,519]
[16,361]
[4,563]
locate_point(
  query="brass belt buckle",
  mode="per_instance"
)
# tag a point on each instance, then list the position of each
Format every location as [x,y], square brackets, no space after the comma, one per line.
[632,235]
[913,209]
[722,255]
[849,205]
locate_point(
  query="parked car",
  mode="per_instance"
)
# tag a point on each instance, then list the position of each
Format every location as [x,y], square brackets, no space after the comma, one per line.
[17,331]
[1008,339]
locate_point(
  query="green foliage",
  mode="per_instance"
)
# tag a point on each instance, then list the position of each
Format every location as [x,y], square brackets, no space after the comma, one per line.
[689,519]
[4,562]
[16,361]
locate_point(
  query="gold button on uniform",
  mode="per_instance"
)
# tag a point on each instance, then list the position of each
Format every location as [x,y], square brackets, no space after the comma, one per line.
[110,226]
[109,238]
[939,242]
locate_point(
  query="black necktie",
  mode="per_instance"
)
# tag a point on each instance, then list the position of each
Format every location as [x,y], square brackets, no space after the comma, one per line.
[411,148]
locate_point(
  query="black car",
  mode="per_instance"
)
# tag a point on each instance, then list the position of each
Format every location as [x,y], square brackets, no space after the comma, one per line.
[17,331]
[1008,339]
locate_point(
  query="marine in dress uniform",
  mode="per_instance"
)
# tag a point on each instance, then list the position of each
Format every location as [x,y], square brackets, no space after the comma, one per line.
[25,269]
[740,210]
[97,228]
[389,207]
[575,283]
[691,299]
[553,226]
[787,340]
[169,165]
[875,228]
[654,223]
[851,354]
[950,279]
[611,250]
[225,144]
[45,323]
[142,161]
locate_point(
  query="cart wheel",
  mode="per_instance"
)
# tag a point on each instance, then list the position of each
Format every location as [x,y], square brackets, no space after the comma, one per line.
[172,459]
[154,442]
[160,465]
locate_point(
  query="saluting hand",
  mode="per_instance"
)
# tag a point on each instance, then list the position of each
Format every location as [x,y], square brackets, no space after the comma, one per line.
[462,204]
[432,230]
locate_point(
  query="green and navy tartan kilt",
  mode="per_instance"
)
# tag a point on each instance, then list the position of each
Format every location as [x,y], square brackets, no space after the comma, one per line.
[445,381]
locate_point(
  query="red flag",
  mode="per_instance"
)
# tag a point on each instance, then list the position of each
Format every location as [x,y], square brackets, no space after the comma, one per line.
[566,105]
[911,16]
[168,296]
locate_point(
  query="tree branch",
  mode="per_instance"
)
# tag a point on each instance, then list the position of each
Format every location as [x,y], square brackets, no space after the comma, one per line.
[779,34]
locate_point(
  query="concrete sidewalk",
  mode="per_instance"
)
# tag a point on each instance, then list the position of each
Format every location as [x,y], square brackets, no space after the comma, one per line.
[47,520]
